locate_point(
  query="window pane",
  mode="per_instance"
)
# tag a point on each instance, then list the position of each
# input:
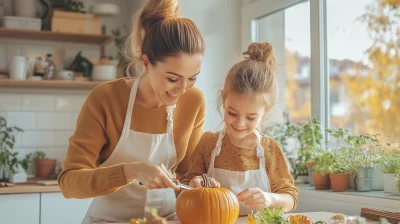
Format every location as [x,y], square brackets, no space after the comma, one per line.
[289,32]
[364,65]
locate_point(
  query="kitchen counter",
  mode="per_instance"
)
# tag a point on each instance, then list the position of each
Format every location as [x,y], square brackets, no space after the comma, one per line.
[29,188]
[315,216]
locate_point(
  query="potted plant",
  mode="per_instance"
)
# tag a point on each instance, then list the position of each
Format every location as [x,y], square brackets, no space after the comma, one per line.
[322,168]
[396,183]
[340,170]
[389,163]
[310,138]
[364,153]
[7,141]
[44,167]
[18,168]
[67,5]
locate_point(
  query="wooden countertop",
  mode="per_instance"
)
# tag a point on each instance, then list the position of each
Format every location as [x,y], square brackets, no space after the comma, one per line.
[29,188]
[32,186]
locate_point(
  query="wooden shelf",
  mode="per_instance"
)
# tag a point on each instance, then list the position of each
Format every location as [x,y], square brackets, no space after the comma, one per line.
[48,84]
[55,36]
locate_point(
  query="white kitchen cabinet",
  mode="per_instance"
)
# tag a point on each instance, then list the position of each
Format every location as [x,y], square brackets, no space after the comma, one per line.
[57,209]
[20,208]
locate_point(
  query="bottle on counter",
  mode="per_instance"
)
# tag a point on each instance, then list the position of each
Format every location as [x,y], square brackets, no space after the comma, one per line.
[49,68]
[38,72]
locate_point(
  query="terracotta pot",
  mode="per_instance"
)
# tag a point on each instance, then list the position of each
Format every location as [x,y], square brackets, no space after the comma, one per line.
[339,181]
[309,164]
[321,181]
[45,168]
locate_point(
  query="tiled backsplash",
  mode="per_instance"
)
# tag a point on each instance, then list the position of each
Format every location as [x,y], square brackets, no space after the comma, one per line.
[48,119]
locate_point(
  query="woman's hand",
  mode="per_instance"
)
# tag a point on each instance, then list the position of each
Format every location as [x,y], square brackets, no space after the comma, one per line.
[255,198]
[152,176]
[198,182]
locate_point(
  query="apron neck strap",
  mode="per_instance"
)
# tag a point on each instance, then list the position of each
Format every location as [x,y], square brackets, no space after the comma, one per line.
[129,110]
[218,147]
[170,115]
[131,103]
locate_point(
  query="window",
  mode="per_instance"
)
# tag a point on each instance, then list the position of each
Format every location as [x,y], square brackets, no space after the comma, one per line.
[364,73]
[288,31]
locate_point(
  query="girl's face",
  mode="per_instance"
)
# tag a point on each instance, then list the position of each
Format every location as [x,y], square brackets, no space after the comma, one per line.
[243,113]
[171,77]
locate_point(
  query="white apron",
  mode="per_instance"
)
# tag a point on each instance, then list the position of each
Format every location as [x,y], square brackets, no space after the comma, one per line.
[238,181]
[130,201]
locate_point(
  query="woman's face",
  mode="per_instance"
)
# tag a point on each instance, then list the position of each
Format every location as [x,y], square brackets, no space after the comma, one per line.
[171,77]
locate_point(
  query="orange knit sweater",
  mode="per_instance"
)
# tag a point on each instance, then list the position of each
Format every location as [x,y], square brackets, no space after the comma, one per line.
[239,159]
[98,130]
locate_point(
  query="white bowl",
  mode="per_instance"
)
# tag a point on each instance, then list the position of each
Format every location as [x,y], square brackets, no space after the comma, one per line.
[105,9]
[104,72]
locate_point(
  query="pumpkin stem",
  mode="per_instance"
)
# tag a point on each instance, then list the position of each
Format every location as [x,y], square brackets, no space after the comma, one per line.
[206,180]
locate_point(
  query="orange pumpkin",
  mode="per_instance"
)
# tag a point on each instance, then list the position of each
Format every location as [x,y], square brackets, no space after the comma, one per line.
[207,205]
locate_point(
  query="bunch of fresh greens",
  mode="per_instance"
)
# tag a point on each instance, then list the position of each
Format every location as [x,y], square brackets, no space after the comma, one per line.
[270,216]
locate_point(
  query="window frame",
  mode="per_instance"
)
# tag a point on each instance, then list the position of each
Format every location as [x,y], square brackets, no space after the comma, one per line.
[252,10]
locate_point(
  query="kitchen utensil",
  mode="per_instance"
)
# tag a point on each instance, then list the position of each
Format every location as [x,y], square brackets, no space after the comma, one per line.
[178,183]
[183,186]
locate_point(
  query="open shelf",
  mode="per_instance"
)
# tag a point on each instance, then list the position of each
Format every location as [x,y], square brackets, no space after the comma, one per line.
[43,35]
[48,84]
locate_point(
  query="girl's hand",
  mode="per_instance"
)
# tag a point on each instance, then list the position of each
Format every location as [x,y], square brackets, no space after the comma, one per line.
[255,198]
[198,182]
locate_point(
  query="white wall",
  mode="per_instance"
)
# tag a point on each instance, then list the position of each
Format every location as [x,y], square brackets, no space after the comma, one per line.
[219,22]
[48,117]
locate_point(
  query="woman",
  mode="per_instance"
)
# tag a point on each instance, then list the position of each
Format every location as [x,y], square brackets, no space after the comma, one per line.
[132,135]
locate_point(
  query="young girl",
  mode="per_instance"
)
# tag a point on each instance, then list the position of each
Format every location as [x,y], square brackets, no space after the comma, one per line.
[250,164]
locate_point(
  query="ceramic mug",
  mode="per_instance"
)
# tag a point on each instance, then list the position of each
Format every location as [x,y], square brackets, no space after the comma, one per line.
[17,68]
[25,8]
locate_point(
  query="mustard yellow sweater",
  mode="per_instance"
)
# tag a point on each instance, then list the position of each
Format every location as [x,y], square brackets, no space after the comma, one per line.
[98,130]
[239,159]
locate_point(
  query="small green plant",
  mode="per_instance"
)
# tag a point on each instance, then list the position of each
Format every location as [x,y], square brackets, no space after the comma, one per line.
[38,155]
[8,158]
[341,161]
[389,163]
[300,169]
[310,138]
[68,5]
[25,162]
[324,163]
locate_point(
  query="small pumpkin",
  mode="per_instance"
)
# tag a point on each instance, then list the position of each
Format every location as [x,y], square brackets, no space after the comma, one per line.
[207,205]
